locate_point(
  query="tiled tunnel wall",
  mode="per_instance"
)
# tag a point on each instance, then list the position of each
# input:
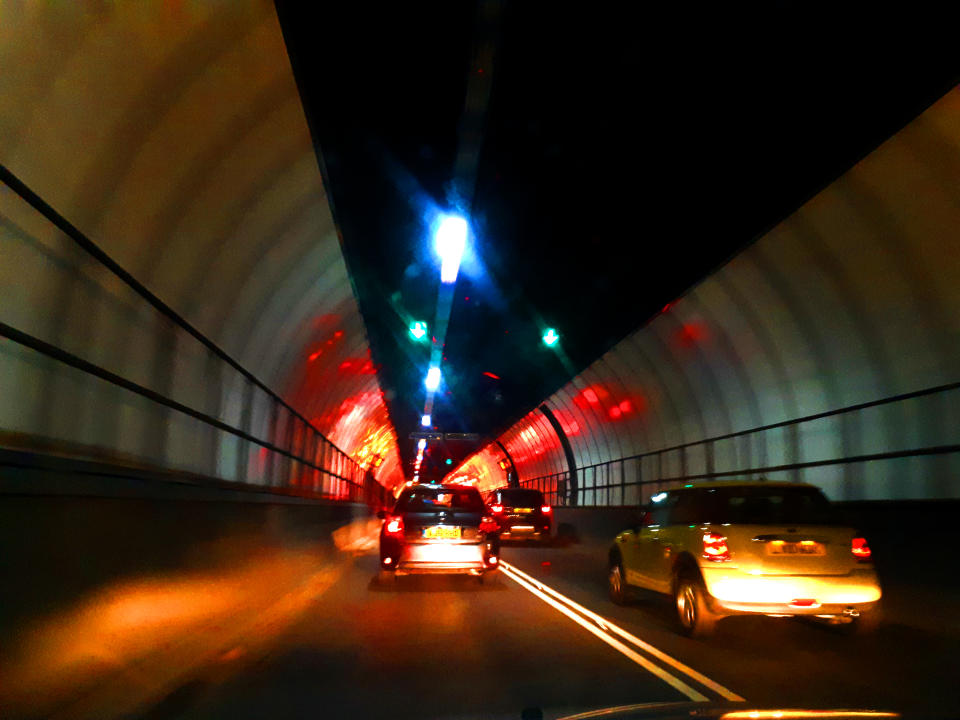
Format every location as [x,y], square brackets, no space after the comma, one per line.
[854,299]
[172,135]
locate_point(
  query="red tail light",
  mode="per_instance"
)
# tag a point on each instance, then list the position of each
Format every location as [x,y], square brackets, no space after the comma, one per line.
[860,549]
[488,524]
[394,526]
[546,509]
[715,547]
[496,509]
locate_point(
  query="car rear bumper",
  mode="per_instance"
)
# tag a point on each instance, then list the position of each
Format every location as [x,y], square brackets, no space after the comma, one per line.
[525,530]
[442,558]
[733,591]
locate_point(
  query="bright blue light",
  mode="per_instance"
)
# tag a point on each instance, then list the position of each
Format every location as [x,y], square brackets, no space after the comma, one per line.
[659,497]
[432,380]
[425,421]
[449,241]
[550,337]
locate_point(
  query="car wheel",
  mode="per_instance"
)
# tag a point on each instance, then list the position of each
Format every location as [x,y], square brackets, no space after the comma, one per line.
[387,578]
[617,585]
[693,613]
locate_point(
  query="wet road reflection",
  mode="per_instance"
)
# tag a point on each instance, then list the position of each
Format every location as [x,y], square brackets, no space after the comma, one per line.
[127,645]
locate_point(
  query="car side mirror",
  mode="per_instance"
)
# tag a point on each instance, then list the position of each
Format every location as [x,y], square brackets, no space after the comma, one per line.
[639,520]
[382,514]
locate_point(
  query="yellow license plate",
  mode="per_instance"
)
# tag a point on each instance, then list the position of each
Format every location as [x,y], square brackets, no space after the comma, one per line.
[804,547]
[523,511]
[442,532]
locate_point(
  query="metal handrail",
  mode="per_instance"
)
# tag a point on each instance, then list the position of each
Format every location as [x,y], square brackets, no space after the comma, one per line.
[786,423]
[61,355]
[71,231]
[786,467]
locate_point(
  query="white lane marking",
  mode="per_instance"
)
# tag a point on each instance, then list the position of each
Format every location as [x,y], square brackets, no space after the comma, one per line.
[620,709]
[671,680]
[611,627]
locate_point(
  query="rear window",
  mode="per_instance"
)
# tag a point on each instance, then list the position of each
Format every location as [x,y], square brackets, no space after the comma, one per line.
[521,498]
[431,498]
[761,505]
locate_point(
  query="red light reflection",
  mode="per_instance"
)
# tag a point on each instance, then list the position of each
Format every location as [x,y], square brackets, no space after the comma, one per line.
[690,334]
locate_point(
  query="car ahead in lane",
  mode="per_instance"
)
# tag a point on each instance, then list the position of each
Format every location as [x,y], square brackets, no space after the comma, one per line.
[521,513]
[435,529]
[764,548]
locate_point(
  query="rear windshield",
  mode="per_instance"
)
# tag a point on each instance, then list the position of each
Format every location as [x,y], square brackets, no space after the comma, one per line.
[762,505]
[521,498]
[430,498]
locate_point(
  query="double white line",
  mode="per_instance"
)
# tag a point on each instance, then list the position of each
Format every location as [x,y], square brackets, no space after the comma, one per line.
[605,630]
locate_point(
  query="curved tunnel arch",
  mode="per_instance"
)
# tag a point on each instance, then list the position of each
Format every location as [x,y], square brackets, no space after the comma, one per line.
[235,234]
[854,299]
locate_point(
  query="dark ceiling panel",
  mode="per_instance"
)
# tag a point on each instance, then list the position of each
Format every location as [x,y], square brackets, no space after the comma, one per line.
[627,153]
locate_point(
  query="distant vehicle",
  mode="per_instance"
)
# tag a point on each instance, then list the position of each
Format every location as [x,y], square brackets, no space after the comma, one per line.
[437,528]
[760,548]
[522,514]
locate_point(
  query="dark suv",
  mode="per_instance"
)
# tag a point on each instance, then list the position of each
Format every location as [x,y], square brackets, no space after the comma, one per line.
[438,529]
[522,514]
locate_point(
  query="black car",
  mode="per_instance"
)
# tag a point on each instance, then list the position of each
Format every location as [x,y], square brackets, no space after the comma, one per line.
[521,514]
[438,529]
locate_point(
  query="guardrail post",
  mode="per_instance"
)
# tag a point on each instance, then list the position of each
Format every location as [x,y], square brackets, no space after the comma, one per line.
[243,446]
[567,451]
[623,483]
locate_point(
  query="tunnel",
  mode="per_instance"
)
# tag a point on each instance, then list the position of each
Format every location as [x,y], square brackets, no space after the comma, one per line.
[233,344]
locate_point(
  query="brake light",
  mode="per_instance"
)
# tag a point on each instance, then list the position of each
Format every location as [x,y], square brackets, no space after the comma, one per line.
[546,509]
[496,509]
[394,526]
[860,549]
[488,524]
[492,560]
[715,547]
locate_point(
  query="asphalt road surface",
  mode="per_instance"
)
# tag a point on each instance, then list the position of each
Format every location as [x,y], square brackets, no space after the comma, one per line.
[312,634]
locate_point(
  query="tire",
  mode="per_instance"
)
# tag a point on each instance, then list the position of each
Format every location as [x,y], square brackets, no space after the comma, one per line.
[387,578]
[694,615]
[617,585]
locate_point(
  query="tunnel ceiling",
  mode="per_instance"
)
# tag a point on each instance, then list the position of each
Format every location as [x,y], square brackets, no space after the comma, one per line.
[625,154]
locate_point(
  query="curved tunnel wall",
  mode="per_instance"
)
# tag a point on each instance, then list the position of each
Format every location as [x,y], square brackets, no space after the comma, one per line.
[173,136]
[853,299]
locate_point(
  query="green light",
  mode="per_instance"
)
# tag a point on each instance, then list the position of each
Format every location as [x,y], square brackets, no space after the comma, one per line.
[418,330]
[448,461]
[550,337]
